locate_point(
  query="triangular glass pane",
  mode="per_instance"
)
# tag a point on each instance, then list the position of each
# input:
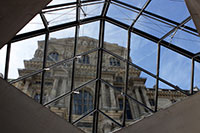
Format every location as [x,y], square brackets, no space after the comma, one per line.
[35,24]
[191,24]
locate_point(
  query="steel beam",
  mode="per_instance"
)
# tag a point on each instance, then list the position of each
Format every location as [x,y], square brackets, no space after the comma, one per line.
[150,37]
[155,15]
[176,28]
[70,92]
[140,13]
[126,80]
[78,6]
[157,78]
[143,105]
[98,76]
[82,117]
[52,66]
[54,28]
[158,59]
[127,64]
[63,8]
[145,71]
[7,61]
[117,123]
[105,8]
[44,56]
[68,4]
[192,77]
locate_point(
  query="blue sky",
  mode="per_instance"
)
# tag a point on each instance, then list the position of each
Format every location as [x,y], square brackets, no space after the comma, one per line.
[174,67]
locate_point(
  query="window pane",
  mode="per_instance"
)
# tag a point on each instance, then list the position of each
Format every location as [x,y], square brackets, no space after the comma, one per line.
[175,10]
[175,68]
[137,3]
[121,14]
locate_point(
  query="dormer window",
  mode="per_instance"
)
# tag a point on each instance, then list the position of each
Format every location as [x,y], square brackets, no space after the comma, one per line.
[114,62]
[53,56]
[84,59]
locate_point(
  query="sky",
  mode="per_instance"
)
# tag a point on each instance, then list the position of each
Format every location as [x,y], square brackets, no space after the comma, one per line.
[174,67]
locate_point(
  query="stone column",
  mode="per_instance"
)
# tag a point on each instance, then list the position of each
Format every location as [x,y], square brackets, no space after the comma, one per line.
[52,94]
[61,102]
[104,97]
[138,96]
[134,106]
[113,101]
[68,89]
[26,87]
[145,97]
[107,126]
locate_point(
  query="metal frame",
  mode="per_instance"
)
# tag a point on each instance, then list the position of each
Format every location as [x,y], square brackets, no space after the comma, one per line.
[127,62]
[78,6]
[158,59]
[98,80]
[155,15]
[44,56]
[7,61]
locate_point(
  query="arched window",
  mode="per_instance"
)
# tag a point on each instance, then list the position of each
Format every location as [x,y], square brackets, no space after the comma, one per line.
[114,62]
[53,56]
[84,59]
[83,102]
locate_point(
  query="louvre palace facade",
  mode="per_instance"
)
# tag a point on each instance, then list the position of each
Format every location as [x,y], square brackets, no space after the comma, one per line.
[58,80]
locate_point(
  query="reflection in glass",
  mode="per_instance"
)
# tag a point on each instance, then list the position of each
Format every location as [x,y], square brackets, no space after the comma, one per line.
[83,102]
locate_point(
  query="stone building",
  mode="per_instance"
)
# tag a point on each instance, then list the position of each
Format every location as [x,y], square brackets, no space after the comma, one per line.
[166,97]
[58,81]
